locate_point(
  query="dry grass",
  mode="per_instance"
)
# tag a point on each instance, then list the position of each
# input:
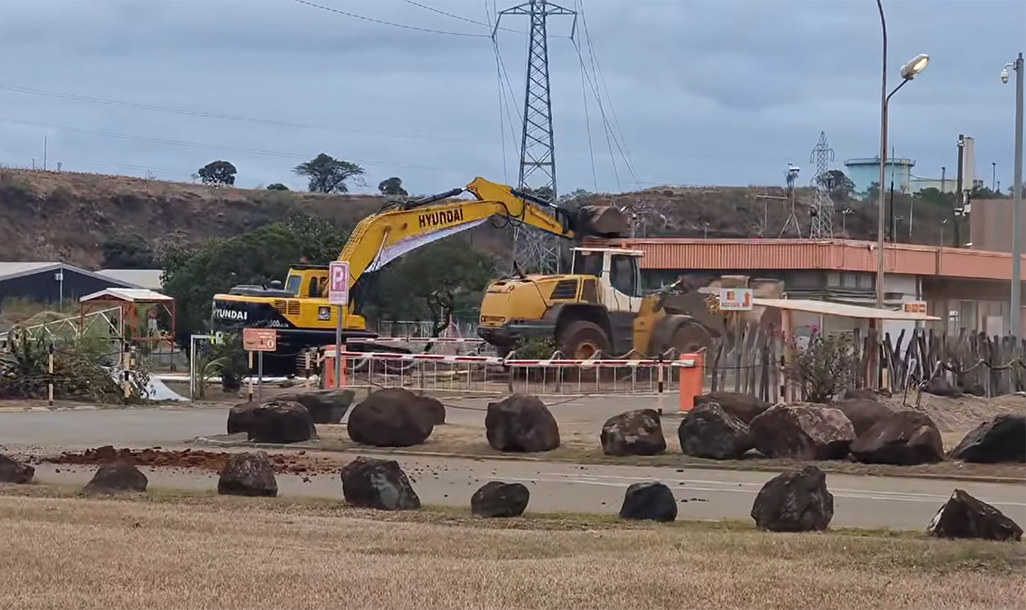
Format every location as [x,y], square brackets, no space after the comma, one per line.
[239,553]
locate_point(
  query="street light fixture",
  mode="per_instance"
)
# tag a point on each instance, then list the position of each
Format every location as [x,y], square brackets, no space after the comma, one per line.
[908,72]
[1015,312]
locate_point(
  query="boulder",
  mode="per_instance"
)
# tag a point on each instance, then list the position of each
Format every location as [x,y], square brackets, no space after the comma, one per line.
[381,484]
[116,477]
[240,417]
[1002,439]
[905,438]
[710,432]
[281,422]
[650,501]
[248,474]
[863,413]
[795,501]
[325,406]
[742,406]
[13,471]
[521,423]
[963,516]
[498,499]
[865,394]
[637,432]
[392,417]
[803,432]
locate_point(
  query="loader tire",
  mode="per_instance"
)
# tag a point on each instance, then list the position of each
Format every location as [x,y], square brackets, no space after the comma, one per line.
[691,338]
[581,340]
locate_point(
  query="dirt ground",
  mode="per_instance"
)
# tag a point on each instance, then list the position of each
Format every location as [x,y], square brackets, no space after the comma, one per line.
[219,552]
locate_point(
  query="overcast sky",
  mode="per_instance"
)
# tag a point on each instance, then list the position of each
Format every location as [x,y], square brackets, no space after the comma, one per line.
[705,91]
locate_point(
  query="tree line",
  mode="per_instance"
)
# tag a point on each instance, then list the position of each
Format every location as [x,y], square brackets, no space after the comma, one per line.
[324,174]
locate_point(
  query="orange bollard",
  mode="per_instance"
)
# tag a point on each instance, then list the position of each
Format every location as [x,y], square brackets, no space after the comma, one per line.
[328,369]
[691,380]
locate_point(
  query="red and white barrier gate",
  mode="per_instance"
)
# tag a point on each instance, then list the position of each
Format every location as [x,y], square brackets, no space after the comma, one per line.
[494,375]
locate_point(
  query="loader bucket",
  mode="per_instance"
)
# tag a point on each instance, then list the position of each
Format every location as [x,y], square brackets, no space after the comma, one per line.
[694,304]
[602,221]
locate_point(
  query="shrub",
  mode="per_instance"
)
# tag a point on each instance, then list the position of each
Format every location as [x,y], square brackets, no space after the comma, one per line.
[823,368]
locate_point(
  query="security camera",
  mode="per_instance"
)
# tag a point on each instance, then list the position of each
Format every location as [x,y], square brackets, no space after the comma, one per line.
[1004,76]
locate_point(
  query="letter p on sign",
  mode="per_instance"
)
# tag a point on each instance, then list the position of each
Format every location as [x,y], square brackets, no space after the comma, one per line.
[338,283]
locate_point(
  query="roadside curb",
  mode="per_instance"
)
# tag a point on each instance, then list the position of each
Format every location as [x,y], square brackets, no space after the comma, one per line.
[533,459]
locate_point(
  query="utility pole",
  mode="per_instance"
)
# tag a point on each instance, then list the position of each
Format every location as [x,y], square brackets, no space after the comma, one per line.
[1017,212]
[944,176]
[534,251]
[993,175]
[959,195]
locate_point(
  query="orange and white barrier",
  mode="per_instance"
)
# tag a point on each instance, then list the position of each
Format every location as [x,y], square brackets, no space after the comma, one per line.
[495,375]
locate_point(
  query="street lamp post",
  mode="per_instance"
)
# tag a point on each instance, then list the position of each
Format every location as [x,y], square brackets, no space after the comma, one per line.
[908,72]
[1016,308]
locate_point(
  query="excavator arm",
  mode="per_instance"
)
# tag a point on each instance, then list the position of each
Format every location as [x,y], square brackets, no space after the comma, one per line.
[396,230]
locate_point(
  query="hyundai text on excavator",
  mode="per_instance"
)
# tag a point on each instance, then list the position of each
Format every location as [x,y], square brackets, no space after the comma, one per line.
[299,309]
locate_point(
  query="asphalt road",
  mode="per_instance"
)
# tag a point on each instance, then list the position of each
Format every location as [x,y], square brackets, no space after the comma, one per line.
[900,503]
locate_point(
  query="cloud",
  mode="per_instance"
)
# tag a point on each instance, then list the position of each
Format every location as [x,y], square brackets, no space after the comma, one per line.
[703,92]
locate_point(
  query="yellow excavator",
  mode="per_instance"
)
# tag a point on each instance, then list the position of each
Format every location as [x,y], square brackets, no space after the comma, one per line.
[299,308]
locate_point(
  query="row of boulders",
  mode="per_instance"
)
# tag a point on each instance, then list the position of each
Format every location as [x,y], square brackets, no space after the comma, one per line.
[869,431]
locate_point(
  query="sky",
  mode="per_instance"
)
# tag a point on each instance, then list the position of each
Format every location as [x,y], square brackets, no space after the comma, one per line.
[695,92]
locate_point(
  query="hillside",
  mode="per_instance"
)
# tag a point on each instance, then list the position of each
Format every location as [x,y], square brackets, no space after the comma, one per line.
[49,216]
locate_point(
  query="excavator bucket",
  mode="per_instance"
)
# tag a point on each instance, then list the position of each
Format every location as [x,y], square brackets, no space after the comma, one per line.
[601,221]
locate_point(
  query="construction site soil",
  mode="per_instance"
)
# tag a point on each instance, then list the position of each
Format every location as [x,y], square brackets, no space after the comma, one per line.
[190,459]
[66,216]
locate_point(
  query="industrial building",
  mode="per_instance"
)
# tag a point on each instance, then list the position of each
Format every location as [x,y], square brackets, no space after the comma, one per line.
[48,282]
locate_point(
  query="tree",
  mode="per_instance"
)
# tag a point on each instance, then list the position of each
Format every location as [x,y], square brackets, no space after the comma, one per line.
[327,174]
[837,183]
[822,369]
[392,186]
[128,252]
[544,193]
[193,276]
[277,186]
[218,173]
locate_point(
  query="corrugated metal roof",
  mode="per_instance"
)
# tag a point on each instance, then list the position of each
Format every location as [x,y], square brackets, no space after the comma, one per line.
[838,309]
[14,268]
[835,254]
[135,295]
[144,278]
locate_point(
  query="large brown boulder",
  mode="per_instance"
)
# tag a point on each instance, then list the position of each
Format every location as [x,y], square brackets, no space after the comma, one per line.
[115,478]
[742,406]
[325,406]
[795,501]
[380,484]
[240,417]
[637,432]
[1002,439]
[392,417]
[905,438]
[13,471]
[521,423]
[964,516]
[863,413]
[710,432]
[498,499]
[281,422]
[248,474]
[803,432]
[651,501]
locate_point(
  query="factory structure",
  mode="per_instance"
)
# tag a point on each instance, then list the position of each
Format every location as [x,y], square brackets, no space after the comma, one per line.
[865,171]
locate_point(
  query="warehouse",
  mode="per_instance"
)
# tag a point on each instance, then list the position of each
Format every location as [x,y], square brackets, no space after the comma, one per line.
[52,282]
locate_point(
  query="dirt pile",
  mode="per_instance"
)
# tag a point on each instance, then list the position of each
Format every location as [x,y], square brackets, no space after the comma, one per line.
[298,463]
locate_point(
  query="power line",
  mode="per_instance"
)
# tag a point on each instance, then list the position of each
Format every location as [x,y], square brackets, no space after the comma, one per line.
[252,151]
[395,25]
[461,18]
[216,115]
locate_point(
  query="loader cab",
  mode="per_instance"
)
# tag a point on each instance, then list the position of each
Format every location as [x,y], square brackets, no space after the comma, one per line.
[619,273]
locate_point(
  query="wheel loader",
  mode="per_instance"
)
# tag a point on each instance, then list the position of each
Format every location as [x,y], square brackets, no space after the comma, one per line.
[599,308]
